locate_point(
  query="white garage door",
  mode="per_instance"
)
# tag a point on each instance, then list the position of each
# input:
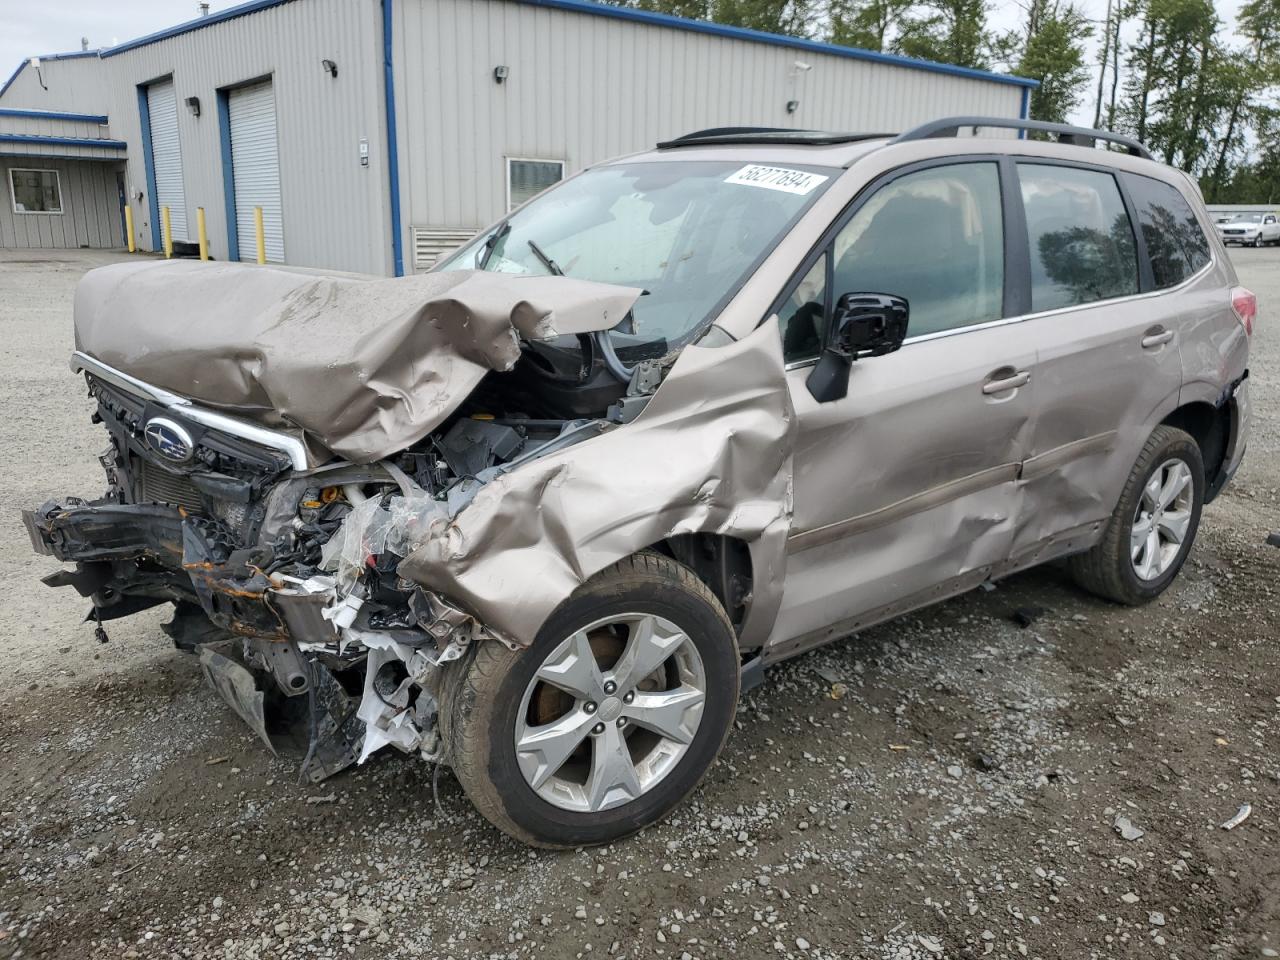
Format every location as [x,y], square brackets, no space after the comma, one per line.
[255,169]
[166,157]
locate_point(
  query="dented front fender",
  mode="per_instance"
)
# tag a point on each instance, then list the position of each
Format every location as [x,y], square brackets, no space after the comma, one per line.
[710,453]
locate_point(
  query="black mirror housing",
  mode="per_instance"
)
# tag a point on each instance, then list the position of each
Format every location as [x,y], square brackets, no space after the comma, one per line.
[863,325]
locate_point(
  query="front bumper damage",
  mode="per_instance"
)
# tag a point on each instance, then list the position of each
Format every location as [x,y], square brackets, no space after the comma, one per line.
[299,665]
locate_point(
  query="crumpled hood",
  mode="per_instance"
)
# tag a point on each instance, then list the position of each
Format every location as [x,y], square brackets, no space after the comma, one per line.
[366,367]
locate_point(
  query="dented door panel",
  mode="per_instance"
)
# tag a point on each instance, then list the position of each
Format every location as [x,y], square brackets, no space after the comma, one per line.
[1101,394]
[908,480]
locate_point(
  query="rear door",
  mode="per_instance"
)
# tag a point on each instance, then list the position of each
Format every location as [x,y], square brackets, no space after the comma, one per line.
[905,489]
[1109,363]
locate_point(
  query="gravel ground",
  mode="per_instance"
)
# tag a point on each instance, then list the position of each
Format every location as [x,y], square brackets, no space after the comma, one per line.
[947,785]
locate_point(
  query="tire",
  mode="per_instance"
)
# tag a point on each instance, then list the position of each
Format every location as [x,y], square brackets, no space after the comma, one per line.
[1257,242]
[1109,569]
[494,697]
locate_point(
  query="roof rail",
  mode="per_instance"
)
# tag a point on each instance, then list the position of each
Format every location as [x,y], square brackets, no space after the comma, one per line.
[766,135]
[1079,136]
[728,132]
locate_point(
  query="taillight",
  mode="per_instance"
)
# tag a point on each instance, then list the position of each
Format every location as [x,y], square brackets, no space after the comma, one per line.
[1245,304]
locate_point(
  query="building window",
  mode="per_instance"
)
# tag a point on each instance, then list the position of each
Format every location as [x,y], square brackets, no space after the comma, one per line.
[35,191]
[528,178]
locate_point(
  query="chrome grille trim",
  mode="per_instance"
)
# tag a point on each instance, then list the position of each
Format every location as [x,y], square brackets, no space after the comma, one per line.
[291,446]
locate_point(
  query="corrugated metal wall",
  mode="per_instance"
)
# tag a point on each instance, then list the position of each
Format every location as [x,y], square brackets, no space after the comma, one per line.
[581,88]
[90,206]
[337,208]
[584,88]
[72,85]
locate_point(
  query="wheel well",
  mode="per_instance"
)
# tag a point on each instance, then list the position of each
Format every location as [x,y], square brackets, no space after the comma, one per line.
[1210,427]
[722,563]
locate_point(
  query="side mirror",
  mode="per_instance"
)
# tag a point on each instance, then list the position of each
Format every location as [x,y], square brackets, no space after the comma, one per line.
[864,325]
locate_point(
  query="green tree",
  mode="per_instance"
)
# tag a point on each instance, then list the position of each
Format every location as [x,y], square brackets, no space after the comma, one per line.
[1243,77]
[691,9]
[791,17]
[1173,94]
[869,24]
[947,31]
[1053,53]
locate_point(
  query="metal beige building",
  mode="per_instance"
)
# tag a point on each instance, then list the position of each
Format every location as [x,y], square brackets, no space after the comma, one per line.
[373,134]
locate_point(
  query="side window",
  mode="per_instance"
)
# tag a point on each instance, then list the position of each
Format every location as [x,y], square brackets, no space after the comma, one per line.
[1175,243]
[1082,245]
[934,237]
[803,318]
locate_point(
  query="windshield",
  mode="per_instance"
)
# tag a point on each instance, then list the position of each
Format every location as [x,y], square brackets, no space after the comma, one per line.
[1247,218]
[687,233]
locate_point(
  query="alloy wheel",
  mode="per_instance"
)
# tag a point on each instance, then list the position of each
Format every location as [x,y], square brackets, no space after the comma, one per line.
[610,712]
[1163,517]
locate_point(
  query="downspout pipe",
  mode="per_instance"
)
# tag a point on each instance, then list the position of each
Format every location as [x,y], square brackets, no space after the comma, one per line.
[393,156]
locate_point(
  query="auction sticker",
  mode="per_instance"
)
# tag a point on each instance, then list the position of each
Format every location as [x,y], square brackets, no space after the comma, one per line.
[777,178]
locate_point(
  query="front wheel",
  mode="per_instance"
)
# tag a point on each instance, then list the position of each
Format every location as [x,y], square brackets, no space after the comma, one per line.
[608,719]
[1151,531]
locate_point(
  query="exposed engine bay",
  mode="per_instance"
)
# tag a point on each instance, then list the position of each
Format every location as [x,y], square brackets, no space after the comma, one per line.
[284,575]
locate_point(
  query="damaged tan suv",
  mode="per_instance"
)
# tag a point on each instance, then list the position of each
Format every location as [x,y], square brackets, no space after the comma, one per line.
[540,514]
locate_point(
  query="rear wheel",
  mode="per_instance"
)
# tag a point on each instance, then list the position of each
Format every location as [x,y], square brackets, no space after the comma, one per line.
[1154,525]
[609,719]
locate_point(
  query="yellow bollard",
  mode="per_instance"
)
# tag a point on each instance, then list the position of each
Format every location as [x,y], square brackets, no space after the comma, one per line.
[204,237]
[262,240]
[128,226]
[166,235]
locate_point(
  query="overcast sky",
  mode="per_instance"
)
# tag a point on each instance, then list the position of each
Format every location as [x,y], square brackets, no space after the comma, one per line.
[30,28]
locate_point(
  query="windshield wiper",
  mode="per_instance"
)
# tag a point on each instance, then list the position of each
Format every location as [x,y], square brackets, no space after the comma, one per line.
[492,244]
[552,267]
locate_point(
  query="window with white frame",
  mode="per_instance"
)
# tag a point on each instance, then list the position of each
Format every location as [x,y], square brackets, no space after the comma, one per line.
[528,178]
[35,191]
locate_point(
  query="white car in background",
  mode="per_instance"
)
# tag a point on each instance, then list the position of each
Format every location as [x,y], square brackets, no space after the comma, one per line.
[1251,229]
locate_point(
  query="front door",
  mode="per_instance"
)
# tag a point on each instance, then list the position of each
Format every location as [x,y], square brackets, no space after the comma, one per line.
[905,490]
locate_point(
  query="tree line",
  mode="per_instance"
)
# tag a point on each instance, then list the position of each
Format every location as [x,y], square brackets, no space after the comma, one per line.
[1166,71]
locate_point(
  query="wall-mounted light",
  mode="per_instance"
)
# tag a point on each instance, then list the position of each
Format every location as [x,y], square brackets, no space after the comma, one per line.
[500,74]
[793,106]
[35,65]
[193,104]
[330,67]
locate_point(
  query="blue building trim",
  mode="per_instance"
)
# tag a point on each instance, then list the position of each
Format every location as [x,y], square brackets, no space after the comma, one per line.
[393,157]
[77,55]
[1025,112]
[228,174]
[240,10]
[54,115]
[153,202]
[61,141]
[759,36]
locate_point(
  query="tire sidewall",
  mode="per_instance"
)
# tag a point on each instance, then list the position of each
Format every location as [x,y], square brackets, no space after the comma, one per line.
[714,640]
[1188,452]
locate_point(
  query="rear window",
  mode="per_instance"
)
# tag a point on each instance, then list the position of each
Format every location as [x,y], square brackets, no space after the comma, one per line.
[1175,243]
[1082,246]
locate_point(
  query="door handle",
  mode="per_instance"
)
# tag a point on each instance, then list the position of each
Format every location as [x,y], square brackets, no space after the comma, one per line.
[1153,340]
[1004,384]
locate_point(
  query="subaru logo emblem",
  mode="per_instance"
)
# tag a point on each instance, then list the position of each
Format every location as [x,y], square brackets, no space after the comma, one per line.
[169,439]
